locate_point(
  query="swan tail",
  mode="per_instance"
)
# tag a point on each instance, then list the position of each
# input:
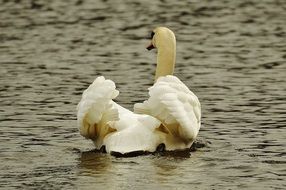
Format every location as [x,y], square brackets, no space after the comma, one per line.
[95,110]
[140,136]
[175,106]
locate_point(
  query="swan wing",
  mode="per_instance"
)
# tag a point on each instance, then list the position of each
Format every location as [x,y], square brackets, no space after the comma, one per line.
[175,106]
[96,110]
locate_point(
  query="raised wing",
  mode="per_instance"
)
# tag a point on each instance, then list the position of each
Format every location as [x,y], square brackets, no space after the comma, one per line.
[175,106]
[96,110]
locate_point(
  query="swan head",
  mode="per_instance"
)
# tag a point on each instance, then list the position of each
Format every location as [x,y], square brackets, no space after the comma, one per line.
[162,37]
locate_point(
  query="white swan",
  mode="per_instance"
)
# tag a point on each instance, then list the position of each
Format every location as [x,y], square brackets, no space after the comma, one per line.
[171,116]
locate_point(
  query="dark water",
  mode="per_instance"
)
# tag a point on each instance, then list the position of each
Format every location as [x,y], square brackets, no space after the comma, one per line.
[232,54]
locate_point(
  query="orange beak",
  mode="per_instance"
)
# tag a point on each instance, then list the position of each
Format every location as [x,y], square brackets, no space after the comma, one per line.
[150,47]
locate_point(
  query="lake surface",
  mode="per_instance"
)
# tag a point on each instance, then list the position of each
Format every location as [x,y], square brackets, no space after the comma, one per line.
[231,54]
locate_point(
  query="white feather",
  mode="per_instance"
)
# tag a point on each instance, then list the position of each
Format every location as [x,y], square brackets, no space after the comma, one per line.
[107,123]
[174,104]
[171,115]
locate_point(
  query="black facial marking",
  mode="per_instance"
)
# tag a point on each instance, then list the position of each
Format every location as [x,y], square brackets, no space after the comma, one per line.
[152,34]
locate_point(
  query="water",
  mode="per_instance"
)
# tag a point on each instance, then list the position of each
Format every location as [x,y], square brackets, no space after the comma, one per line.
[232,54]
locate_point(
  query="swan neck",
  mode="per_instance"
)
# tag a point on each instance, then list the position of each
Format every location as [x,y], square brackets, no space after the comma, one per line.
[166,58]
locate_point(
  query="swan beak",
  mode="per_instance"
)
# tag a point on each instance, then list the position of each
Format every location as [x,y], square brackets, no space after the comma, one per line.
[150,47]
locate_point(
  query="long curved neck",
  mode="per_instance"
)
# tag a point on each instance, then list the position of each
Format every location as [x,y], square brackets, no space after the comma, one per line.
[166,59]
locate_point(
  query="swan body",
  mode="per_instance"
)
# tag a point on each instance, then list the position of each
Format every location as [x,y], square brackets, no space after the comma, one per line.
[171,115]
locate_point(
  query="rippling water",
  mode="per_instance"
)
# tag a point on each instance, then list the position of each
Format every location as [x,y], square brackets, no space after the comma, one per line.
[232,54]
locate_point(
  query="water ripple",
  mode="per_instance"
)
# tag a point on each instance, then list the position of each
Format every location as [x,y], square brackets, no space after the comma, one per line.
[230,53]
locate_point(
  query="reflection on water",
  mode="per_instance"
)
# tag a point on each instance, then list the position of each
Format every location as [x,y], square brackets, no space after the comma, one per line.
[94,161]
[157,168]
[230,53]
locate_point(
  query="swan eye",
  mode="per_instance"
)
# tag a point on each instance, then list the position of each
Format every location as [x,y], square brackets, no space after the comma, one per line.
[152,34]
